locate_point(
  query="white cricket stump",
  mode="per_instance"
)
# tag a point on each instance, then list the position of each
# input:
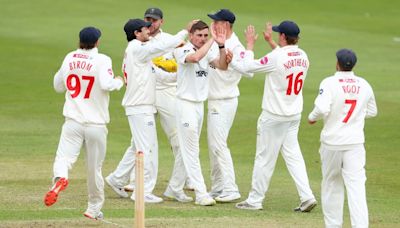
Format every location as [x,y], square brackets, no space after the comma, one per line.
[139,190]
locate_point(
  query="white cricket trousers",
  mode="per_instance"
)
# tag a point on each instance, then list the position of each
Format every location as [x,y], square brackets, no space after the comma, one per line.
[189,121]
[144,138]
[166,108]
[274,136]
[340,169]
[94,139]
[221,114]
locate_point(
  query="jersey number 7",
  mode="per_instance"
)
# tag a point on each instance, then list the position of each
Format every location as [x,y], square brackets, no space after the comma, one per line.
[74,85]
[352,107]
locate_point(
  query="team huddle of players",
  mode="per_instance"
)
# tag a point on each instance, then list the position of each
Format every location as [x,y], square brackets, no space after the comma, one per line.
[166,75]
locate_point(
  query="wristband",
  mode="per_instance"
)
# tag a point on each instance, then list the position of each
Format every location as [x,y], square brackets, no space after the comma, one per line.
[222,46]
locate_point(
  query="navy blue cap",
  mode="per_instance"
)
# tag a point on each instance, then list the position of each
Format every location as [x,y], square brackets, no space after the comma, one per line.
[89,35]
[134,25]
[289,28]
[223,15]
[155,13]
[346,58]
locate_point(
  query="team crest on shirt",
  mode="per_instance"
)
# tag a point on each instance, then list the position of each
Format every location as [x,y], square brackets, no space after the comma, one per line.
[264,60]
[110,72]
[242,54]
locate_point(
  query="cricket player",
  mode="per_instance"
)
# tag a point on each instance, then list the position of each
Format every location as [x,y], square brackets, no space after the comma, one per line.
[166,105]
[165,68]
[344,102]
[86,77]
[222,105]
[193,61]
[278,125]
[139,103]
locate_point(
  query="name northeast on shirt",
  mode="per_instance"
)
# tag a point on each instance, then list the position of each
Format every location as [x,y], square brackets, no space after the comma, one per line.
[297,62]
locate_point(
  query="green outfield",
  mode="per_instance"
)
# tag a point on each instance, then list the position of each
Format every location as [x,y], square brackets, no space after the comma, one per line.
[36,35]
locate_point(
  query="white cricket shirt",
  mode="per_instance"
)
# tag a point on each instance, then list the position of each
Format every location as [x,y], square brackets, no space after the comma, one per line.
[193,77]
[87,77]
[137,67]
[286,69]
[344,101]
[224,83]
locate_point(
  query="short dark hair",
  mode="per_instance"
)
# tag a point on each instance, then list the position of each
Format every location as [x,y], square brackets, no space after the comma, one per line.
[86,46]
[130,36]
[200,25]
[291,40]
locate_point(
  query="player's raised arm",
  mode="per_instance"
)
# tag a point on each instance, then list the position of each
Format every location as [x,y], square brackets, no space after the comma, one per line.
[219,35]
[268,35]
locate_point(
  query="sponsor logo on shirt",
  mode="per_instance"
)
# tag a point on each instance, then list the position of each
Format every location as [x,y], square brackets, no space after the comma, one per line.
[81,56]
[201,73]
[110,72]
[294,53]
[264,60]
[186,124]
[150,123]
[348,80]
[186,51]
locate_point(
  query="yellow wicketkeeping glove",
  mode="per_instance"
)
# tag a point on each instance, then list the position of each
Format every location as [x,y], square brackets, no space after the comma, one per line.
[168,65]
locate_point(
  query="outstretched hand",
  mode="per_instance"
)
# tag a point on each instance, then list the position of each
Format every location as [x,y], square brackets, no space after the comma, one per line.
[251,36]
[268,31]
[218,33]
[268,35]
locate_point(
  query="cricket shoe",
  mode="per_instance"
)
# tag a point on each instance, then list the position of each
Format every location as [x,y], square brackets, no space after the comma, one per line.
[215,194]
[119,190]
[179,196]
[149,198]
[129,188]
[99,216]
[205,201]
[226,197]
[246,206]
[306,206]
[51,196]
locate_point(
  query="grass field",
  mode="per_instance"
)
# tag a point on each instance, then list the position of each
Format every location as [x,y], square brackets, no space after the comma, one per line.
[36,35]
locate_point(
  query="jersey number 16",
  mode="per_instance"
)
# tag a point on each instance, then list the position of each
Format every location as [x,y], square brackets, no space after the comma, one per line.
[295,86]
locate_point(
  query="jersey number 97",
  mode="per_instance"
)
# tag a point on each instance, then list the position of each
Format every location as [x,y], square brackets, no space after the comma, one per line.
[74,85]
